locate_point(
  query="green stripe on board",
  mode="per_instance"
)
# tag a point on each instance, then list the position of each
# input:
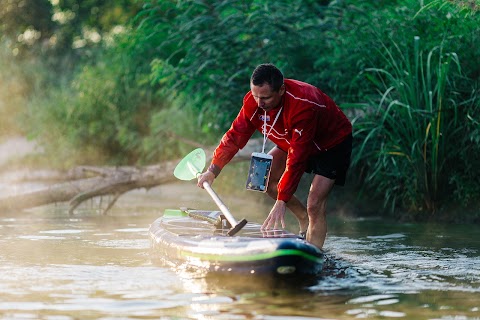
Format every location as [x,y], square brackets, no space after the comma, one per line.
[253,257]
[174,213]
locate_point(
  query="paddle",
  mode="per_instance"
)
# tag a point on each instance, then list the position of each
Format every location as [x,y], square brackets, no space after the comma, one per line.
[189,168]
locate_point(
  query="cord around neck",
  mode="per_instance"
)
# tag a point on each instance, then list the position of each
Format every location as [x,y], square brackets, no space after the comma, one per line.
[265,134]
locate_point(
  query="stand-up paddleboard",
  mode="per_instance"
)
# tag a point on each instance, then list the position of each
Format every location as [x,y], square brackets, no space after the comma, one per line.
[198,239]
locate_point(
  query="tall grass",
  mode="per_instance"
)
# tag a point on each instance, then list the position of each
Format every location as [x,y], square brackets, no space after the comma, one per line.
[407,136]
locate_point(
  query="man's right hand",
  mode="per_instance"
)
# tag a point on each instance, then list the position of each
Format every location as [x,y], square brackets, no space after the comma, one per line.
[207,176]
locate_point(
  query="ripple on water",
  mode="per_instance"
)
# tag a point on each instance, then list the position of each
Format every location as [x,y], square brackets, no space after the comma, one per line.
[372,298]
[66,231]
[369,275]
[393,236]
[399,267]
[132,230]
[36,237]
[124,244]
[104,290]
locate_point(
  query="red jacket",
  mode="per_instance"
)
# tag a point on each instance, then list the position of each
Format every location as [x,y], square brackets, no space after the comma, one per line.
[310,122]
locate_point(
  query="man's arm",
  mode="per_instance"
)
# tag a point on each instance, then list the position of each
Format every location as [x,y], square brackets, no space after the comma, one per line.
[301,146]
[233,140]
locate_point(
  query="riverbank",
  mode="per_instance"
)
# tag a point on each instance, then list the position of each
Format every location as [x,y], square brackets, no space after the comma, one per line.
[22,159]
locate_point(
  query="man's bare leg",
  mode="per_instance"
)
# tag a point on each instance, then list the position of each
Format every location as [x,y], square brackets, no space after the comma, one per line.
[317,209]
[294,205]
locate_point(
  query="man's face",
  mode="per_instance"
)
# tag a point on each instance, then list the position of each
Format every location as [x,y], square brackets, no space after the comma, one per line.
[265,97]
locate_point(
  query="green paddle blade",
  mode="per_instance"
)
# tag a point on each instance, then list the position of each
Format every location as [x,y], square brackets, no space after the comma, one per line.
[190,166]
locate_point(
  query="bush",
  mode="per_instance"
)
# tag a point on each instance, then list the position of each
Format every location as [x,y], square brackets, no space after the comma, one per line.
[210,49]
[104,110]
[412,139]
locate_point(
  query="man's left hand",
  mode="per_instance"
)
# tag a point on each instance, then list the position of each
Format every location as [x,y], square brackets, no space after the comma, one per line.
[276,216]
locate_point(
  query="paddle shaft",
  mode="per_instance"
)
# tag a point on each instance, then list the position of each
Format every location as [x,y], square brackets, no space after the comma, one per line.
[189,168]
[220,204]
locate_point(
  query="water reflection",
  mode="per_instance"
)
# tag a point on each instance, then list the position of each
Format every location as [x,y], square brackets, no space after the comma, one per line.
[90,289]
[90,266]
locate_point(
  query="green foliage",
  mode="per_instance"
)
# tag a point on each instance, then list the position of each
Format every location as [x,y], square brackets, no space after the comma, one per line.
[16,17]
[211,47]
[12,90]
[103,109]
[361,27]
[110,111]
[96,82]
[42,44]
[18,78]
[62,19]
[411,141]
[469,7]
[174,132]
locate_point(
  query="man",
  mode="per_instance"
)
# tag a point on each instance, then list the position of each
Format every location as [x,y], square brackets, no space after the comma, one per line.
[311,134]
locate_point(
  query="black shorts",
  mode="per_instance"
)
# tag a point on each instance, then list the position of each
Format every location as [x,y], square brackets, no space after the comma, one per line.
[332,163]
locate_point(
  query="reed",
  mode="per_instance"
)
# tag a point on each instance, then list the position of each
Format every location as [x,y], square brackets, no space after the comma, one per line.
[406,132]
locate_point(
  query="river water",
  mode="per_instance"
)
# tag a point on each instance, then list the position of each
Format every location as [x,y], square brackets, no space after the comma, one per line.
[93,266]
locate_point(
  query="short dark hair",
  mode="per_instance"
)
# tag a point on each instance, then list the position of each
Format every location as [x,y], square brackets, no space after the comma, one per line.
[267,73]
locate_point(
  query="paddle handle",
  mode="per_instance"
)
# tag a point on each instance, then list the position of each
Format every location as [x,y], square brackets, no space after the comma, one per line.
[220,204]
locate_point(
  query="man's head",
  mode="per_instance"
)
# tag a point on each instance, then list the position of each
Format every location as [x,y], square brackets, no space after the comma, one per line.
[267,86]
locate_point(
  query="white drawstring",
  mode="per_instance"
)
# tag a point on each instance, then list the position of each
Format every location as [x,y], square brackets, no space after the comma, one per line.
[265,134]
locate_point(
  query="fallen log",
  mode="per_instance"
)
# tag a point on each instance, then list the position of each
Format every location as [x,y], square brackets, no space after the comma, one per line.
[89,182]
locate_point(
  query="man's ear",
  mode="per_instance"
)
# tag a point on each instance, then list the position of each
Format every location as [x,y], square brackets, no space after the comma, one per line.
[282,89]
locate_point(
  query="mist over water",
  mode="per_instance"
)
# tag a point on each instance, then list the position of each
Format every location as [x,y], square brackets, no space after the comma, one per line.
[90,266]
